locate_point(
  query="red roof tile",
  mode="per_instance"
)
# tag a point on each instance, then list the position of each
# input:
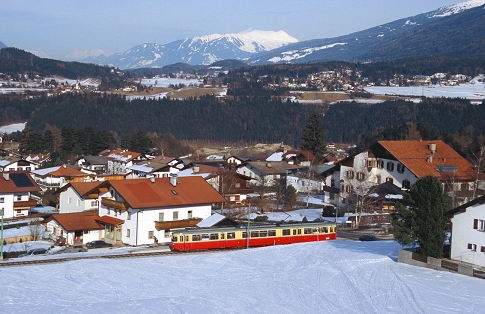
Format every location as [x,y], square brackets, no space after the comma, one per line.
[110,220]
[415,155]
[67,172]
[10,186]
[78,221]
[142,193]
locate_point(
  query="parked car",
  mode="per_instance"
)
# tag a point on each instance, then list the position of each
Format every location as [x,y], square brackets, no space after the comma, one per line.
[35,252]
[97,244]
[367,237]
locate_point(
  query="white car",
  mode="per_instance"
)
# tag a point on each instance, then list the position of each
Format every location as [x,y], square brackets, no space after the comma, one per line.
[34,252]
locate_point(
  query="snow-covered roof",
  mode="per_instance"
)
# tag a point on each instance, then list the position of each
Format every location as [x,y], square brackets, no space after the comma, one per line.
[210,221]
[44,171]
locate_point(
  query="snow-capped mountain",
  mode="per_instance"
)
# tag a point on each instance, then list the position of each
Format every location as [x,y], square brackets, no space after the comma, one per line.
[198,50]
[360,46]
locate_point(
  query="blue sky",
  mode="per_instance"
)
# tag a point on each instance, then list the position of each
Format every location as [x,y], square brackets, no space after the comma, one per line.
[58,28]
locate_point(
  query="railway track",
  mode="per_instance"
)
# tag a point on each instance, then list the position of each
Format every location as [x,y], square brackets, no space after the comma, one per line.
[134,254]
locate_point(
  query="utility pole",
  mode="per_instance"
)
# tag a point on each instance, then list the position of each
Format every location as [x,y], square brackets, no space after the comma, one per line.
[1,234]
[247,228]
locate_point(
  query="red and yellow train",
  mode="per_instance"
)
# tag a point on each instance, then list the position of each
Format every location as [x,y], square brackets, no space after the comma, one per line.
[259,235]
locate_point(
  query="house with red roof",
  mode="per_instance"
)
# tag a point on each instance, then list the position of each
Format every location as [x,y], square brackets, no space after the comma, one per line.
[402,163]
[57,177]
[75,228]
[15,193]
[78,197]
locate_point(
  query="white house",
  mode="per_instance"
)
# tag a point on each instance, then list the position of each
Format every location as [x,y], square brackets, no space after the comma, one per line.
[468,232]
[119,161]
[401,163]
[149,208]
[15,193]
[57,177]
[264,172]
[78,197]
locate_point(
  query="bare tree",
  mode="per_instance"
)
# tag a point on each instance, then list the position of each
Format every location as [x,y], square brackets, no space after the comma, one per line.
[228,179]
[356,190]
[35,229]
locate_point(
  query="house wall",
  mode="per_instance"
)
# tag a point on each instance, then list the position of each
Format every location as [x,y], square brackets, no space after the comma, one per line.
[144,221]
[7,205]
[71,202]
[463,234]
[57,232]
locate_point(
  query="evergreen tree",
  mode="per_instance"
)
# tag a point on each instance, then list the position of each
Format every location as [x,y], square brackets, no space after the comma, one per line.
[423,219]
[313,138]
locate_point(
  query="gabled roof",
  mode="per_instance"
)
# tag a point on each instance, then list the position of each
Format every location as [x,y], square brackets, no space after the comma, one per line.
[17,181]
[122,155]
[82,188]
[96,160]
[150,193]
[417,156]
[462,208]
[270,168]
[60,171]
[77,221]
[38,158]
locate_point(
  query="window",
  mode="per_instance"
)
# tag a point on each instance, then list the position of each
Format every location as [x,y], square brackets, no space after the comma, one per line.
[196,237]
[360,176]
[160,217]
[19,211]
[390,166]
[214,236]
[19,197]
[222,236]
[128,216]
[78,202]
[254,234]
[380,164]
[349,189]
[189,214]
[332,182]
[175,215]
[2,200]
[128,233]
[370,163]
[482,249]
[479,224]
[231,235]
[175,239]
[400,168]
[27,168]
[350,174]
[205,236]
[166,233]
[86,232]
[94,203]
[271,233]
[244,234]
[263,234]
[150,234]
[465,187]
[472,247]
[286,232]
[294,231]
[69,200]
[307,231]
[406,184]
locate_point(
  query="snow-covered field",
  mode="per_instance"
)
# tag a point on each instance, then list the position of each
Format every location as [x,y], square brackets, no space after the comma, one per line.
[12,128]
[474,91]
[165,82]
[326,277]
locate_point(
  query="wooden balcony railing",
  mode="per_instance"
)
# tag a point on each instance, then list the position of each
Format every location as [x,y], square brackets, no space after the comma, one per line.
[177,224]
[123,206]
[24,204]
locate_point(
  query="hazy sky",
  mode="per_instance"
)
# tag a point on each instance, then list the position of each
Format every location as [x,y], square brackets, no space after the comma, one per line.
[59,28]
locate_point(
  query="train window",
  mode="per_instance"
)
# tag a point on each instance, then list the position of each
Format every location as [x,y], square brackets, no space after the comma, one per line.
[244,234]
[286,232]
[196,237]
[299,231]
[174,239]
[231,235]
[271,233]
[186,238]
[325,229]
[263,233]
[214,236]
[294,231]
[222,236]
[205,236]
[307,231]
[254,234]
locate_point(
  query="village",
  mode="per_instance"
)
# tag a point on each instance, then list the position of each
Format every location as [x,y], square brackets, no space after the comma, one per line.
[126,198]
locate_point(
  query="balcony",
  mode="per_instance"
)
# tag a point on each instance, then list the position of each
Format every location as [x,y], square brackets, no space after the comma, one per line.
[123,206]
[24,204]
[177,224]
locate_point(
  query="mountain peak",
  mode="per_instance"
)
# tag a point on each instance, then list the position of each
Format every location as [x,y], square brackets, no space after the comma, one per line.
[456,8]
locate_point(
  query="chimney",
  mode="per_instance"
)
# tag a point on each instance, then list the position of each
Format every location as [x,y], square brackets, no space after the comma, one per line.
[430,158]
[152,179]
[432,148]
[6,176]
[196,168]
[173,179]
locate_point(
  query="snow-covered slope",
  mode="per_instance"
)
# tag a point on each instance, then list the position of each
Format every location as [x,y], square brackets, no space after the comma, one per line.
[352,46]
[198,50]
[324,277]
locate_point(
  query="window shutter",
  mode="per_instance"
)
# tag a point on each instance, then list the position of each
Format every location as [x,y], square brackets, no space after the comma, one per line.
[470,246]
[475,223]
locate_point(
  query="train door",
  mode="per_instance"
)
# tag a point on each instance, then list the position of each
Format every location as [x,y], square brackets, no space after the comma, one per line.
[186,240]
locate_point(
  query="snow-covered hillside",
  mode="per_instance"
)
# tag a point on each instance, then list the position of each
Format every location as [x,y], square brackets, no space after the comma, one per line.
[198,50]
[326,277]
